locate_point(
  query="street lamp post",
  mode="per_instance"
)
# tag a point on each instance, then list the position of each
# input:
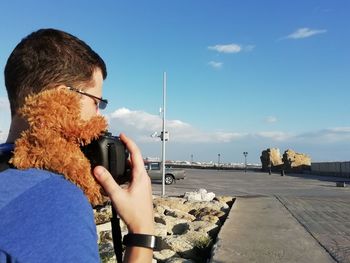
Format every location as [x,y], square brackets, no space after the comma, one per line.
[164,135]
[163,138]
[245,161]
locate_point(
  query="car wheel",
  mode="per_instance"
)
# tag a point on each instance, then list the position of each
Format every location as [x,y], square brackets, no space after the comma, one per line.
[169,179]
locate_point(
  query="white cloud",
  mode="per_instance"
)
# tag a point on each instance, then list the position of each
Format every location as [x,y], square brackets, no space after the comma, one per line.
[249,48]
[275,135]
[140,125]
[4,103]
[138,120]
[229,48]
[345,130]
[270,119]
[305,32]
[4,118]
[3,136]
[228,136]
[216,65]
[330,135]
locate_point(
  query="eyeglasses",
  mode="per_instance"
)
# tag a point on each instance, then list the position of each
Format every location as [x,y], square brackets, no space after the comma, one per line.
[101,103]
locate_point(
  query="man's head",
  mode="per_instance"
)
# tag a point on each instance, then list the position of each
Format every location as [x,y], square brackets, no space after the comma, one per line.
[46,59]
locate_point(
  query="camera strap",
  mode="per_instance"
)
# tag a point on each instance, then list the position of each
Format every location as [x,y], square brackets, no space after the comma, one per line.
[117,236]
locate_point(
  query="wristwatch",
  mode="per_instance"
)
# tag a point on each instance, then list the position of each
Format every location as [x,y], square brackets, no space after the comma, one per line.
[140,240]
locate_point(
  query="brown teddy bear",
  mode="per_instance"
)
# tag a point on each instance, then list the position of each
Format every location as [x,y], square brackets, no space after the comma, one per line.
[54,137]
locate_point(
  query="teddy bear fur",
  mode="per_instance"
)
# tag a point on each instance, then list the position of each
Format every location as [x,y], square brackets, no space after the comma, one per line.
[54,137]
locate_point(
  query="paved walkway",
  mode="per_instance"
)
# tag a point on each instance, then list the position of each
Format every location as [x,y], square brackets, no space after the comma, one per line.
[292,218]
[261,229]
[326,219]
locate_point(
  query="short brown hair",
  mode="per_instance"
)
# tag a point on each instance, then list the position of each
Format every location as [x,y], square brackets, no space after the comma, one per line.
[45,59]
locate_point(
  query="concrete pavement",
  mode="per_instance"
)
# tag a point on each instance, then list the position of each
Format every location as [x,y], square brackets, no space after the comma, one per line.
[314,205]
[261,229]
[327,219]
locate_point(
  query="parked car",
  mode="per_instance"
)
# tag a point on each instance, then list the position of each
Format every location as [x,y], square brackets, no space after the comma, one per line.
[171,174]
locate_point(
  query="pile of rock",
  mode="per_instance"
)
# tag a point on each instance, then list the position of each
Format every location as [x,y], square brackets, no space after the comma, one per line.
[271,157]
[294,160]
[271,160]
[187,226]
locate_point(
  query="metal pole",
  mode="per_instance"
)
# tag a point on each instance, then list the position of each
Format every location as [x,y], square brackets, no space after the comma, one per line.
[163,135]
[245,161]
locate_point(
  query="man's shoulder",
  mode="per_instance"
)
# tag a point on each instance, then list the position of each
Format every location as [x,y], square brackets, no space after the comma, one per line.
[36,183]
[46,211]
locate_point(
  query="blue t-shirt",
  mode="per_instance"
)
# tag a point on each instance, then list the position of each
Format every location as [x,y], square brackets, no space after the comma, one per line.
[44,218]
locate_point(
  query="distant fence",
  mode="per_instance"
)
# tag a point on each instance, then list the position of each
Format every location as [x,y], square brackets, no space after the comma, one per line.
[341,169]
[250,167]
[331,168]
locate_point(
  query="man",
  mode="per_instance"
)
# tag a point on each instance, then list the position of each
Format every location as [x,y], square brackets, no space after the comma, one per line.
[43,217]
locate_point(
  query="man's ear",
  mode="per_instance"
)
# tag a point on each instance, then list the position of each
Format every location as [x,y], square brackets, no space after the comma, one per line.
[62,86]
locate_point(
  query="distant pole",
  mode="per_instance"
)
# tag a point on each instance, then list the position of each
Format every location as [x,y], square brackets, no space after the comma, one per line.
[163,135]
[191,158]
[219,160]
[245,161]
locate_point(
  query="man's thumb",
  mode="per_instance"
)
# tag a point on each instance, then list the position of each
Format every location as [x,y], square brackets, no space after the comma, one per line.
[106,181]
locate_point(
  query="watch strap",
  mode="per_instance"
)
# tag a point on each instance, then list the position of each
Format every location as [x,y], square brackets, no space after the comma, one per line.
[140,240]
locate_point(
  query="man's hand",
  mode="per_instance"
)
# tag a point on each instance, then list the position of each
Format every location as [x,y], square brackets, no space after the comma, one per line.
[134,203]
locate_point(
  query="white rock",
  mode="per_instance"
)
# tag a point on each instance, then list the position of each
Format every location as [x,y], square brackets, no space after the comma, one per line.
[193,196]
[200,195]
[208,197]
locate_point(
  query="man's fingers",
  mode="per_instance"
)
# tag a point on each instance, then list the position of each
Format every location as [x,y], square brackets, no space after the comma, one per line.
[106,180]
[135,154]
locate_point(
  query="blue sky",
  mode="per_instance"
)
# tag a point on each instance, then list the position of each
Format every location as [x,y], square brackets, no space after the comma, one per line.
[242,75]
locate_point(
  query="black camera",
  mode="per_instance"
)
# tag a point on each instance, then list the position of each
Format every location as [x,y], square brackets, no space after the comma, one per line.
[110,152]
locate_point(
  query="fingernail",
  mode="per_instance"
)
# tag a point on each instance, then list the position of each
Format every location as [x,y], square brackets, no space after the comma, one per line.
[99,170]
